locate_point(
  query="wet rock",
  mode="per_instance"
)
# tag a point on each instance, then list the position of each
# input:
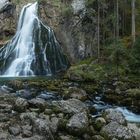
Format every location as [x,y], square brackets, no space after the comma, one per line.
[114,115]
[47,96]
[15,130]
[27,94]
[37,103]
[71,106]
[21,105]
[5,89]
[116,130]
[99,123]
[78,124]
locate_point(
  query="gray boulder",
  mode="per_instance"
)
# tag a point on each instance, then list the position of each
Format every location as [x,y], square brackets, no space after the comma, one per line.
[78,123]
[15,130]
[118,131]
[115,115]
[37,103]
[42,127]
[71,106]
[21,105]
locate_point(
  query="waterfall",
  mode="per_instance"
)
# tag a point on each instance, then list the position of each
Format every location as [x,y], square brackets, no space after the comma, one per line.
[34,49]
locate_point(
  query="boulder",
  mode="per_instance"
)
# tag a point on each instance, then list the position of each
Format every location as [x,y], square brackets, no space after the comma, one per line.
[42,127]
[70,106]
[4,136]
[37,103]
[99,123]
[27,94]
[28,117]
[54,124]
[78,93]
[26,131]
[78,124]
[15,130]
[118,131]
[115,116]
[21,105]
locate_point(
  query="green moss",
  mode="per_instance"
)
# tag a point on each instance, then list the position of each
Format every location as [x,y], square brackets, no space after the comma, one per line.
[67,11]
[134,93]
[84,72]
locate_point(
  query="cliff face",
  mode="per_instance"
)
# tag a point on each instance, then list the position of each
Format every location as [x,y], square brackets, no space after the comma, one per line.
[64,17]
[7,19]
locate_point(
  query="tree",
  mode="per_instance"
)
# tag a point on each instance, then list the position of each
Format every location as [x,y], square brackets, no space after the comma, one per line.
[133,21]
[98,32]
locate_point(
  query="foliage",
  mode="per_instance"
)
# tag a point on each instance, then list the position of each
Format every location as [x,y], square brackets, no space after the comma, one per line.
[67,11]
[134,62]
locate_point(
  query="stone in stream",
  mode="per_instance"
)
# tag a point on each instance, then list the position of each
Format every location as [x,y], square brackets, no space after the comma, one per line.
[114,115]
[27,94]
[47,96]
[5,89]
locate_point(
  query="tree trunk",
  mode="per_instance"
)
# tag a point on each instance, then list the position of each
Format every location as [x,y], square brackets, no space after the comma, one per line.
[133,22]
[98,32]
[117,21]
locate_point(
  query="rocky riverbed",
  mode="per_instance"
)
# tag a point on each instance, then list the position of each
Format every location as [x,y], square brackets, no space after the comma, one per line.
[60,110]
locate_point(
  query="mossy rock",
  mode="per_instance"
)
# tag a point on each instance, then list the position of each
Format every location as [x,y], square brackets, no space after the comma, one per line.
[133,93]
[84,72]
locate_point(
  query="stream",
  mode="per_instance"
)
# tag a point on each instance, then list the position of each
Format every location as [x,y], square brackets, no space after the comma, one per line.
[95,102]
[101,106]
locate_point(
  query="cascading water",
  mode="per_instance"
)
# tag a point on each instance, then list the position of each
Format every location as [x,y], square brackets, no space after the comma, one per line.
[34,49]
